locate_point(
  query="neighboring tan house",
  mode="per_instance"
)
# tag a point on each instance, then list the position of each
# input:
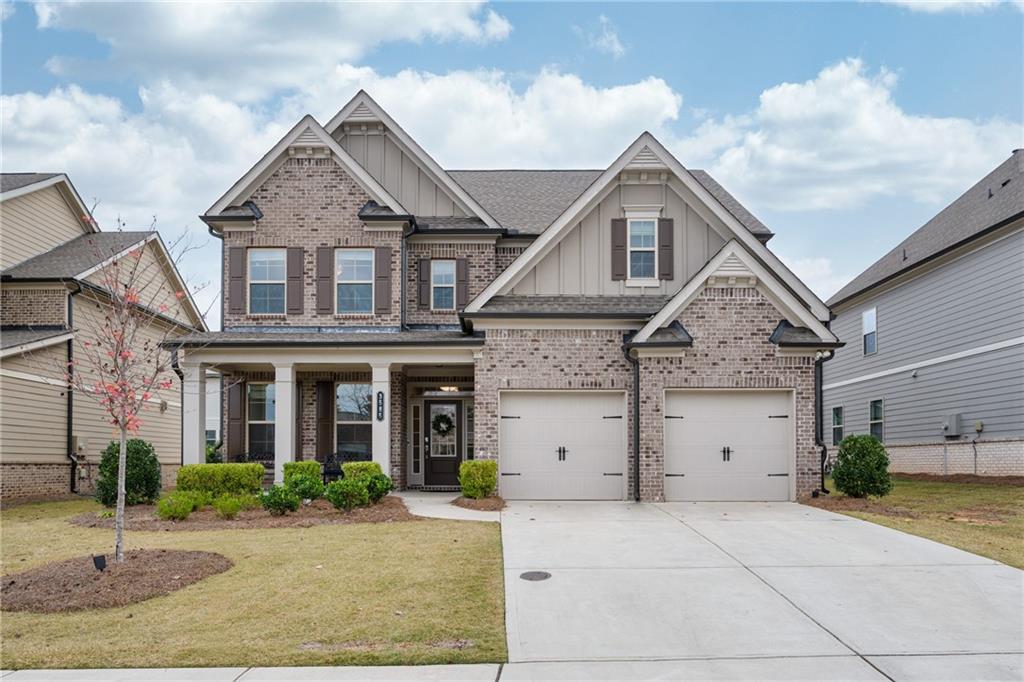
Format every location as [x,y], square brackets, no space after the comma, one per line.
[51,254]
[934,361]
[378,306]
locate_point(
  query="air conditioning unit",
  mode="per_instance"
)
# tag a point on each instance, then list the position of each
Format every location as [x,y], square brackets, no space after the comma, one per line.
[951,429]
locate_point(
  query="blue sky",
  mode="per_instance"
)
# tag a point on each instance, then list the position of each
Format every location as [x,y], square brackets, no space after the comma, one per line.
[843,126]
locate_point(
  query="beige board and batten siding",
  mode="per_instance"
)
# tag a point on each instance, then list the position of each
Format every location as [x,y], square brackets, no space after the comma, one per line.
[581,262]
[35,223]
[399,173]
[33,407]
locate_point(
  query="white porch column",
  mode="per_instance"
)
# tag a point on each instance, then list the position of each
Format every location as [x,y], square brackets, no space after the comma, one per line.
[381,415]
[193,414]
[284,418]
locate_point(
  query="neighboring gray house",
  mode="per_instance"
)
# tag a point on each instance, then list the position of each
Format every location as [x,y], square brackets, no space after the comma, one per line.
[934,357]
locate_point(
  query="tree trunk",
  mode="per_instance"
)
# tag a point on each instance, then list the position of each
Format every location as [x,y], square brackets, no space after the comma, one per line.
[122,464]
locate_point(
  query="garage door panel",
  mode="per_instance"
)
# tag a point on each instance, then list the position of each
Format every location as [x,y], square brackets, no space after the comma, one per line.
[535,425]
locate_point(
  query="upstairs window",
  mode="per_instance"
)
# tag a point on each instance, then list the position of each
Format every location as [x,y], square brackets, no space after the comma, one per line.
[442,285]
[837,425]
[267,277]
[876,419]
[261,412]
[354,268]
[642,244]
[869,329]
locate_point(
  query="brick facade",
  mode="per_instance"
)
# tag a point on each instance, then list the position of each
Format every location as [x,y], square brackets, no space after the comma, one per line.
[21,482]
[480,260]
[994,457]
[29,307]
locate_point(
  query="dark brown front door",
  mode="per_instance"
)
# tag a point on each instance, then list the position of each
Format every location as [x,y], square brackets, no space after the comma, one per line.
[443,441]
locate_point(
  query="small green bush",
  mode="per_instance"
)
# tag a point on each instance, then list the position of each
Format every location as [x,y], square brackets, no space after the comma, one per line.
[141,475]
[348,493]
[360,469]
[862,467]
[278,500]
[198,498]
[248,501]
[213,454]
[221,479]
[478,478]
[305,486]
[227,506]
[309,468]
[377,486]
[174,507]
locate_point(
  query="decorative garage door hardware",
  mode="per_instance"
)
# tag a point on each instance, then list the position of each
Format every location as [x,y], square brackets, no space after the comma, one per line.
[726,454]
[508,417]
[505,473]
[778,416]
[674,475]
[534,576]
[613,474]
[673,416]
[772,475]
[562,450]
[614,416]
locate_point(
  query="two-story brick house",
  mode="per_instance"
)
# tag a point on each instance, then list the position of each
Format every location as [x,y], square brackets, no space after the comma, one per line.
[578,326]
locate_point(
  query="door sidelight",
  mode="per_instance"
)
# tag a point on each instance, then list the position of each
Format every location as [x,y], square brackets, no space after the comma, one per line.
[726,453]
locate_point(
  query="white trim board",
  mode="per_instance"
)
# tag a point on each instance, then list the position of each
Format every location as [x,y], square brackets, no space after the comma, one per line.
[970,352]
[36,345]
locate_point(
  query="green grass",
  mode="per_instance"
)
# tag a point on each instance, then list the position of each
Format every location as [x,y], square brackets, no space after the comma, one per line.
[361,594]
[978,517]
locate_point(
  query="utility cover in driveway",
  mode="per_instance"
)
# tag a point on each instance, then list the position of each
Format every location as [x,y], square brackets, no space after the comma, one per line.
[562,445]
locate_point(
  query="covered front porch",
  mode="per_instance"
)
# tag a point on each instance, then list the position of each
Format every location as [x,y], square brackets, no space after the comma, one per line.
[408,409]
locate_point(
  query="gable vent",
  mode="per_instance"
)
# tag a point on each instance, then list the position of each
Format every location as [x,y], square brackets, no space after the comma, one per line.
[360,114]
[308,137]
[732,273]
[646,158]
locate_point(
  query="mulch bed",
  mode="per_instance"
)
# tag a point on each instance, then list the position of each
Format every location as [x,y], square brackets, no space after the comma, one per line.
[143,517]
[964,478]
[493,503]
[75,584]
[842,503]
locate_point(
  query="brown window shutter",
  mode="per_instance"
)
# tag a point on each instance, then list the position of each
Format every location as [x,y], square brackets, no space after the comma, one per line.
[324,419]
[296,267]
[666,255]
[424,294]
[324,280]
[382,280]
[619,250]
[236,419]
[236,280]
[461,282]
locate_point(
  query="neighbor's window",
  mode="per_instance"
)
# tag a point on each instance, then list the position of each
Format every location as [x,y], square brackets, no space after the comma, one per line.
[267,275]
[837,425]
[869,327]
[354,268]
[442,285]
[211,436]
[642,248]
[353,413]
[261,410]
[876,419]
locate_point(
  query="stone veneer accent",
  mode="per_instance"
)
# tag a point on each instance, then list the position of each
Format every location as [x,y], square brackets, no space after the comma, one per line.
[995,457]
[26,307]
[480,263]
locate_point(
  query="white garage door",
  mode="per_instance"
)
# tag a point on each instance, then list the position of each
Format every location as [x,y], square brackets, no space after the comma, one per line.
[727,445]
[562,445]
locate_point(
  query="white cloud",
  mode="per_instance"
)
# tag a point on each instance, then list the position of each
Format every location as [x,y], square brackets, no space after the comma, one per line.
[819,274]
[958,6]
[840,140]
[604,38]
[7,10]
[251,50]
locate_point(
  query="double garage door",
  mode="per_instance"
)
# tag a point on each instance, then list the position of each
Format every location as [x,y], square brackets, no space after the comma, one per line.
[719,445]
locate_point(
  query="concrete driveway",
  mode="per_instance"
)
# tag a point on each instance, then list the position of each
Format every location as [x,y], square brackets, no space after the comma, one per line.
[744,590]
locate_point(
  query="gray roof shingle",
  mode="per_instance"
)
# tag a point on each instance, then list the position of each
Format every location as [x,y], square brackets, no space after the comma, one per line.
[785,334]
[74,257]
[18,336]
[326,336]
[672,336]
[9,181]
[640,307]
[998,197]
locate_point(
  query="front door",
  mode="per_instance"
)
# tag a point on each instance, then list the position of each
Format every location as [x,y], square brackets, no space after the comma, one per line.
[443,442]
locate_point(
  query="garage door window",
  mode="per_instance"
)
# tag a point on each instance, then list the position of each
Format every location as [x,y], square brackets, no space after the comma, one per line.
[837,425]
[876,419]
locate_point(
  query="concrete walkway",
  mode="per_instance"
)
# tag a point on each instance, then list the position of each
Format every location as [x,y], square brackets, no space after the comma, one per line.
[734,591]
[439,506]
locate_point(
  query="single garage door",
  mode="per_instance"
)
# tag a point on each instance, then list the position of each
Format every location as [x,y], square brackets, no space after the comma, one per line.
[562,445]
[728,445]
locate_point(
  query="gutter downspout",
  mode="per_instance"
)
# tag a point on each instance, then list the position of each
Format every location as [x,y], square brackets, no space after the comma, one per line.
[405,285]
[213,233]
[70,422]
[819,418]
[636,415]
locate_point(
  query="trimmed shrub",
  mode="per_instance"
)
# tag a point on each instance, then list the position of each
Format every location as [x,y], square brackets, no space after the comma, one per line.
[306,487]
[141,474]
[862,467]
[348,493]
[227,506]
[301,469]
[278,500]
[478,478]
[360,469]
[174,507]
[248,501]
[198,498]
[221,479]
[377,486]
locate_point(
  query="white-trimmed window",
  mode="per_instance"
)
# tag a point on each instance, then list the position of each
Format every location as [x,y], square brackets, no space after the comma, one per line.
[267,278]
[876,419]
[442,285]
[869,330]
[353,410]
[643,252]
[261,413]
[354,274]
[837,425]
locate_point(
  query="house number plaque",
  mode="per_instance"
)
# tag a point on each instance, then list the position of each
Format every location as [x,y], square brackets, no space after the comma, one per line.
[380,406]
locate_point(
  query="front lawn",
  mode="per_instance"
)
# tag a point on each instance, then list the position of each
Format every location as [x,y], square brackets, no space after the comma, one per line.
[420,592]
[984,518]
